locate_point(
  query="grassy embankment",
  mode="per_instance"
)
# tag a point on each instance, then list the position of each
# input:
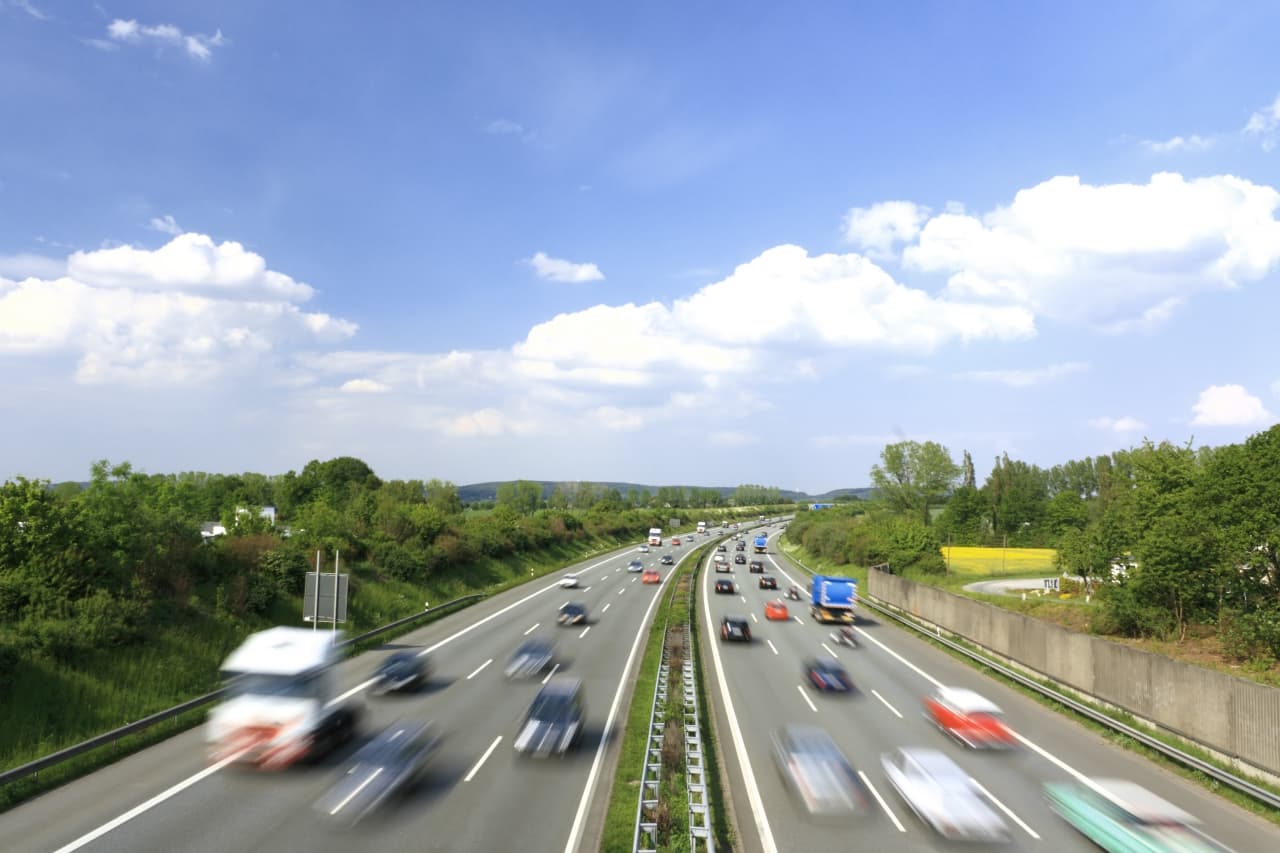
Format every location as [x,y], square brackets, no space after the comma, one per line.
[49,706]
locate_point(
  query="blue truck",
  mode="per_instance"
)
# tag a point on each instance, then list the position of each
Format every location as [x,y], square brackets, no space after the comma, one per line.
[762,543]
[834,599]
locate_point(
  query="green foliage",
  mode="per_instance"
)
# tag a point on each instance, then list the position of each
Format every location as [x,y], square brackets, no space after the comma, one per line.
[913,476]
[964,518]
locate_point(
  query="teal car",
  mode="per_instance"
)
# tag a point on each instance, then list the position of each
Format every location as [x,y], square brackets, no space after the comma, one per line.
[1123,817]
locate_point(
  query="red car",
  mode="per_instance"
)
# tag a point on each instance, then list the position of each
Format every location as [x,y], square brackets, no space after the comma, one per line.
[776,609]
[675,541]
[651,576]
[969,718]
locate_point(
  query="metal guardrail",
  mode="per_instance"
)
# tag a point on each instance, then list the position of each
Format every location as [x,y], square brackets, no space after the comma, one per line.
[700,835]
[646,834]
[1231,780]
[111,738]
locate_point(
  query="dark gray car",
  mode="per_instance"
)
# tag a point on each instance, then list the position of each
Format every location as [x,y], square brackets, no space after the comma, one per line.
[553,723]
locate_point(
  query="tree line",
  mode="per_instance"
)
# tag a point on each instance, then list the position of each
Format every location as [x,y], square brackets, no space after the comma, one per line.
[95,566]
[1167,535]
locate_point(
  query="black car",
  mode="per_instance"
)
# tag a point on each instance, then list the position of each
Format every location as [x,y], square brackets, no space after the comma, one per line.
[756,567]
[400,671]
[768,582]
[735,628]
[392,761]
[572,613]
[721,548]
[531,658]
[667,560]
[553,723]
[724,585]
[827,674]
[740,559]
[635,566]
[742,546]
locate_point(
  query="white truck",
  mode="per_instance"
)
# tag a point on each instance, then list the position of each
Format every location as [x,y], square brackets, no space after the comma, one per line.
[279,706]
[702,527]
[655,536]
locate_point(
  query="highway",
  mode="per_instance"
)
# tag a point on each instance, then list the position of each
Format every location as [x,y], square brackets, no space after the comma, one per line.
[756,689]
[477,793]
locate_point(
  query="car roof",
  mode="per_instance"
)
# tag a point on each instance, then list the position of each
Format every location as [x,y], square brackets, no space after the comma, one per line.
[933,762]
[561,686]
[967,701]
[734,618]
[1141,803]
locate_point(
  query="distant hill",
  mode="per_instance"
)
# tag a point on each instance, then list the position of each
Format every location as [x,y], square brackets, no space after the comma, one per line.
[489,491]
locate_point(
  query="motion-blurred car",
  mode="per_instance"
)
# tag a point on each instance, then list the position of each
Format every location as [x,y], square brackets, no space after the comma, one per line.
[941,794]
[768,582]
[553,723]
[826,673]
[651,576]
[400,671]
[675,541]
[390,762]
[667,560]
[1119,815]
[569,582]
[735,628]
[969,718]
[755,567]
[740,559]
[776,609]
[722,565]
[572,613]
[530,658]
[643,549]
[724,585]
[817,774]
[635,566]
[721,548]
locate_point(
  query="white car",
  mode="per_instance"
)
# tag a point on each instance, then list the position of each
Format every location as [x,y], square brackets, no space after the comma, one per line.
[643,549]
[569,582]
[941,794]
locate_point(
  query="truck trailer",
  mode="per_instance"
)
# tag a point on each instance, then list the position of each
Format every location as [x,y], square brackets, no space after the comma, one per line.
[833,599]
[762,543]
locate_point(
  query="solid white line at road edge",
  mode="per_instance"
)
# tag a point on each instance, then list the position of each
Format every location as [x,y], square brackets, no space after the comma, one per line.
[148,805]
[579,819]
[474,770]
[992,797]
[886,703]
[739,746]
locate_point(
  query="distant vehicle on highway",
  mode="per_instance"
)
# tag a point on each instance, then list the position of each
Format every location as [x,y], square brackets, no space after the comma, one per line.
[970,718]
[768,582]
[755,567]
[941,794]
[735,628]
[572,613]
[776,609]
[530,658]
[722,565]
[721,548]
[817,774]
[553,724]
[650,576]
[643,549]
[741,546]
[400,671]
[675,541]
[833,599]
[635,566]
[740,559]
[1118,815]
[569,582]
[724,585]
[389,763]
[667,560]
[826,673]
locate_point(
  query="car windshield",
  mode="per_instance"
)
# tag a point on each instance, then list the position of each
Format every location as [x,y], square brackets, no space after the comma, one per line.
[550,707]
[292,686]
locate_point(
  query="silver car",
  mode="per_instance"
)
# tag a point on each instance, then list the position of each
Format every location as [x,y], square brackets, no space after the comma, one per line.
[553,724]
[531,658]
[941,794]
[817,774]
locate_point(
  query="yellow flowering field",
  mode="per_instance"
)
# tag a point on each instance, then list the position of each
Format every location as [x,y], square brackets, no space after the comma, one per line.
[965,559]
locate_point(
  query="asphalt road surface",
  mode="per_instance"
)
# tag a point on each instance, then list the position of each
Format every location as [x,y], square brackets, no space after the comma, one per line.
[758,688]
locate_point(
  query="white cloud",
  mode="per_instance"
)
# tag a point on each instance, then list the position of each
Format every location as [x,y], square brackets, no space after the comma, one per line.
[1263,125]
[484,422]
[555,269]
[879,228]
[186,312]
[363,386]
[165,224]
[1228,405]
[131,32]
[30,8]
[1023,378]
[618,419]
[1176,144]
[1121,424]
[1106,254]
[731,438]
[27,265]
[504,127]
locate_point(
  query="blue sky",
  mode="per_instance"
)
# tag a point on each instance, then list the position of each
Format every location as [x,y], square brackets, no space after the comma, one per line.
[686,242]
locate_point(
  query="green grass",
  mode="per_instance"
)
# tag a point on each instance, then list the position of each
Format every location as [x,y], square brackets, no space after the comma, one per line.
[50,706]
[624,796]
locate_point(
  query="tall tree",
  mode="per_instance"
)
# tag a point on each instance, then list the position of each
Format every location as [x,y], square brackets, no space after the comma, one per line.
[915,476]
